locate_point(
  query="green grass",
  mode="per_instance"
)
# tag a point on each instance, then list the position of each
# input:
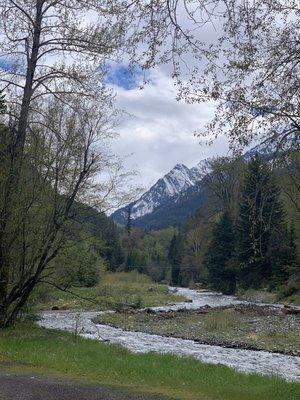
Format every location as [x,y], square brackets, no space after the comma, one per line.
[115,291]
[294,299]
[220,320]
[264,296]
[36,350]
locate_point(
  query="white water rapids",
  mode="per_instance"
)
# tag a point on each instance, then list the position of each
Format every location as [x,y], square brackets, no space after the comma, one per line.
[248,361]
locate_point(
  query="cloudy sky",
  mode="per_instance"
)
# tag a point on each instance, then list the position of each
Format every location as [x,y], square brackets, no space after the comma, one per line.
[158,132]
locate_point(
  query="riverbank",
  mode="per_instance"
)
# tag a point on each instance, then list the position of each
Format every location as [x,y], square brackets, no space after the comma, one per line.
[264,296]
[29,349]
[235,326]
[116,291]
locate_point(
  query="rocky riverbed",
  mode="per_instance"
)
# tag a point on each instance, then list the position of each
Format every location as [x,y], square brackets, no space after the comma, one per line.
[245,326]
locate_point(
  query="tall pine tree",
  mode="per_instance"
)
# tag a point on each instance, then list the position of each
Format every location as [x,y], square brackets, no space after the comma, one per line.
[218,259]
[260,227]
[175,256]
[286,269]
[129,221]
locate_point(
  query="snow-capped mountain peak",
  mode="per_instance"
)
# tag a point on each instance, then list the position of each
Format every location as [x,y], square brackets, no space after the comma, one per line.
[175,182]
[178,179]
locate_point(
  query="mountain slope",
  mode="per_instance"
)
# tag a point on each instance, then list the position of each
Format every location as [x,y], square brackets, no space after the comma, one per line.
[169,201]
[176,211]
[166,189]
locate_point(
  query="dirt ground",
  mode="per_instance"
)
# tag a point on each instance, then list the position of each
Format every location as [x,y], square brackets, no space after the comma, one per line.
[16,387]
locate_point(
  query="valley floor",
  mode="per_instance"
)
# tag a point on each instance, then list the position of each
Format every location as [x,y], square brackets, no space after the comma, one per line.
[40,363]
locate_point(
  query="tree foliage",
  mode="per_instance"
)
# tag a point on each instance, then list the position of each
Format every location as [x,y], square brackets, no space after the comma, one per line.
[223,176]
[219,256]
[240,237]
[248,65]
[260,229]
[59,117]
[253,247]
[175,256]
[59,120]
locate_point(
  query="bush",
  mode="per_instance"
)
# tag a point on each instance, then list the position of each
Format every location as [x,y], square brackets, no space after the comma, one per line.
[79,265]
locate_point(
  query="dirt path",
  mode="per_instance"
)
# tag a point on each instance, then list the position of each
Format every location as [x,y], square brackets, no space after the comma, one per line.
[15,387]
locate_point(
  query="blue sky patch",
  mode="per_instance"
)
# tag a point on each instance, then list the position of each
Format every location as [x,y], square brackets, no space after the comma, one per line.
[6,65]
[123,77]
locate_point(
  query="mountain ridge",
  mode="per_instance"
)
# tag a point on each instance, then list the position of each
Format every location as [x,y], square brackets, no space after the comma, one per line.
[166,191]
[177,195]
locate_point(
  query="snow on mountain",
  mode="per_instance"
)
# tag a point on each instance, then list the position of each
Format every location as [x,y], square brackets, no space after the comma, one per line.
[175,182]
[265,151]
[178,179]
[178,194]
[201,169]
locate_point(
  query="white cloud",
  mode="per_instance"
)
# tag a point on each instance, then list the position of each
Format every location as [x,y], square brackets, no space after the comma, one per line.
[160,131]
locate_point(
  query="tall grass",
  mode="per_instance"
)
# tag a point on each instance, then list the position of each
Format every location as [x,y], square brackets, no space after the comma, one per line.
[116,290]
[126,277]
[219,320]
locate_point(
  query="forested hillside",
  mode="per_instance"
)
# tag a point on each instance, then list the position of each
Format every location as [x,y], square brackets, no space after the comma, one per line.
[236,228]
[245,234]
[92,246]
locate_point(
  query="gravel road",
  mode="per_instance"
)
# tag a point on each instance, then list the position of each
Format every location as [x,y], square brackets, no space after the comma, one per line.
[15,387]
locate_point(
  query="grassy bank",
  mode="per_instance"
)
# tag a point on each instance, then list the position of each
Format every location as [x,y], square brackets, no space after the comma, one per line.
[35,350]
[115,291]
[231,327]
[264,296]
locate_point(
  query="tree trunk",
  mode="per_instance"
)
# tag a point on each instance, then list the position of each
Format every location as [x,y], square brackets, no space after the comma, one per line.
[3,314]
[13,314]
[11,186]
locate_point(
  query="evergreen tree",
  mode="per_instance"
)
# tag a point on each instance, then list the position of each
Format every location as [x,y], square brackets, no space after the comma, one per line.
[113,251]
[175,256]
[218,259]
[129,242]
[286,264]
[133,245]
[129,221]
[260,228]
[292,256]
[136,260]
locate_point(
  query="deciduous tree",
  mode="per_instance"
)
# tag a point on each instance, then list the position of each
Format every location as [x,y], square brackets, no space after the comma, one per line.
[175,256]
[248,65]
[261,225]
[59,119]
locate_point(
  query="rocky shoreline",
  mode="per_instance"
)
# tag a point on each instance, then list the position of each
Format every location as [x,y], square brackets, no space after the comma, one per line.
[217,342]
[261,309]
[267,322]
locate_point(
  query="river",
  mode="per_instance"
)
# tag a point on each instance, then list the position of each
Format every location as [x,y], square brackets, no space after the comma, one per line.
[248,361]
